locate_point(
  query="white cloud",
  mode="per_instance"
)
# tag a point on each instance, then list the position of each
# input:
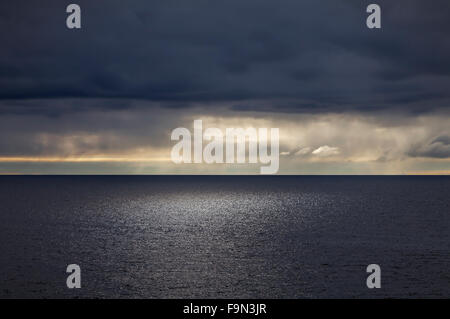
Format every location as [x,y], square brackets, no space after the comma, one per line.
[325,151]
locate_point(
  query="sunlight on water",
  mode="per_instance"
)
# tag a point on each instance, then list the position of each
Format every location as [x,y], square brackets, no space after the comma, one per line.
[234,237]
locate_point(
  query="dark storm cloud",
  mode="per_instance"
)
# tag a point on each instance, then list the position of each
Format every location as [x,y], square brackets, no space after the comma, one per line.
[278,56]
[445,140]
[438,148]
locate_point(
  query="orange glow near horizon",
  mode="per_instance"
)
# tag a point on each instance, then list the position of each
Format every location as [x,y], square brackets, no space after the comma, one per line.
[73,159]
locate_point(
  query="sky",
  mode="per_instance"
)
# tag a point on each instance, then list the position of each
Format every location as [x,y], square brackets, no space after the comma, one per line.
[104,99]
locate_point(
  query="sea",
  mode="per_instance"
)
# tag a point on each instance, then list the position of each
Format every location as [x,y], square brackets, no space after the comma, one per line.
[233,237]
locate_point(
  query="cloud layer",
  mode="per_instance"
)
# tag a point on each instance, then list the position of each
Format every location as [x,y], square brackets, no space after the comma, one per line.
[265,55]
[345,98]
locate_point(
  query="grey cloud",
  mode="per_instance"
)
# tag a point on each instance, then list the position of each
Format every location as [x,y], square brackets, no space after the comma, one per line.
[444,139]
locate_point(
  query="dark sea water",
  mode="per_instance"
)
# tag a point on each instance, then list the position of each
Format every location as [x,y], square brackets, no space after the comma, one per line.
[224,237]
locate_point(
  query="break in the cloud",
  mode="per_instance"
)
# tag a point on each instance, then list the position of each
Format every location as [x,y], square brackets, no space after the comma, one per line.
[322,151]
[346,99]
[124,142]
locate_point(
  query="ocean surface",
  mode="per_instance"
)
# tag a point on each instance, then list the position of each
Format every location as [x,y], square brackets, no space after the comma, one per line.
[224,236]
